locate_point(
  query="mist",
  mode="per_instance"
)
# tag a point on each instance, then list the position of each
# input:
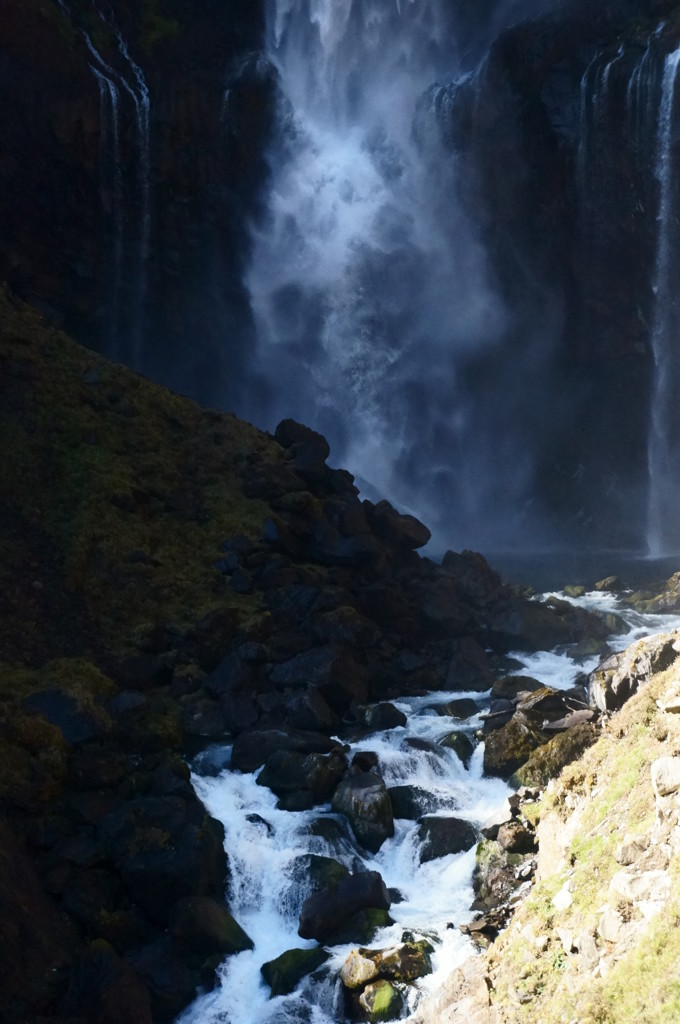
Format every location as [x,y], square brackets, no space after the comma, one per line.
[378,316]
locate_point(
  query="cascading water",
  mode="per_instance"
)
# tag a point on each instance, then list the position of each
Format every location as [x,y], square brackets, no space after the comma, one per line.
[663,527]
[370,290]
[269,849]
[111,159]
[129,195]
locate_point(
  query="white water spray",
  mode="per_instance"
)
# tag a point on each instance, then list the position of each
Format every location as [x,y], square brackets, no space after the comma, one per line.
[663,525]
[368,284]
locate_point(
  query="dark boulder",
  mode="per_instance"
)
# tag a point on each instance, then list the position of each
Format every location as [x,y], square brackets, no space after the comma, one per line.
[363,799]
[619,677]
[170,982]
[311,872]
[251,749]
[202,927]
[442,836]
[331,669]
[286,772]
[289,432]
[377,717]
[324,912]
[394,527]
[411,802]
[460,743]
[500,712]
[509,687]
[464,707]
[285,972]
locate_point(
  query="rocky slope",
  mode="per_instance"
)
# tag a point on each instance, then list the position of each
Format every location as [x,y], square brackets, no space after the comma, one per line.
[596,939]
[170,576]
[570,224]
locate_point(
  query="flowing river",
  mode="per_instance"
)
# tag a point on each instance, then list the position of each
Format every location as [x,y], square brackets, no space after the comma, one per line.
[267,847]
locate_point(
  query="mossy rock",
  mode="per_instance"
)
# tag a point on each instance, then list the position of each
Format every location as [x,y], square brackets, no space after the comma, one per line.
[461,744]
[380,1001]
[361,927]
[508,748]
[546,762]
[285,972]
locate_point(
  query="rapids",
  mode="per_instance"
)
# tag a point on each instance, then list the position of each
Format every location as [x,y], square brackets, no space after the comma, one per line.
[264,845]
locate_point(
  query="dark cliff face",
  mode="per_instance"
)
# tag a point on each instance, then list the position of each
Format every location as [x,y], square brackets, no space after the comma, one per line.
[131,234]
[136,238]
[560,171]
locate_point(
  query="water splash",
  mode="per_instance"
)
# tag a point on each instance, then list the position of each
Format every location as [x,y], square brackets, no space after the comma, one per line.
[370,288]
[663,524]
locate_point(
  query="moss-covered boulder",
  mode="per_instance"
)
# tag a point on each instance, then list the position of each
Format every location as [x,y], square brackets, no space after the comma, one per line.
[285,973]
[380,1000]
[545,762]
[508,748]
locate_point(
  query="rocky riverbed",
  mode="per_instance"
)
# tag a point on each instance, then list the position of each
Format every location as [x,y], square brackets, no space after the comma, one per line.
[176,585]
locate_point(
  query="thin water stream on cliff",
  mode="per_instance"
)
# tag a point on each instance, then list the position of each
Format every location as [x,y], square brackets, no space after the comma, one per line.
[265,846]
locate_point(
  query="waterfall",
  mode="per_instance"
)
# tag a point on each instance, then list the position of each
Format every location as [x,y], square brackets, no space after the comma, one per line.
[126,177]
[111,157]
[663,526]
[371,291]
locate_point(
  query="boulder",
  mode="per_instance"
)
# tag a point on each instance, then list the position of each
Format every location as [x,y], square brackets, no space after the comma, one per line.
[404,962]
[290,432]
[170,981]
[290,771]
[251,749]
[377,717]
[411,802]
[665,776]
[285,972]
[513,837]
[203,927]
[361,927]
[619,677]
[545,762]
[380,1001]
[331,669]
[363,798]
[461,744]
[511,686]
[325,911]
[463,707]
[499,714]
[358,970]
[312,872]
[442,836]
[394,527]
[508,748]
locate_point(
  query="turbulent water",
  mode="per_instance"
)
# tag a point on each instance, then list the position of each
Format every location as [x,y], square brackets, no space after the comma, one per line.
[267,886]
[664,437]
[370,288]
